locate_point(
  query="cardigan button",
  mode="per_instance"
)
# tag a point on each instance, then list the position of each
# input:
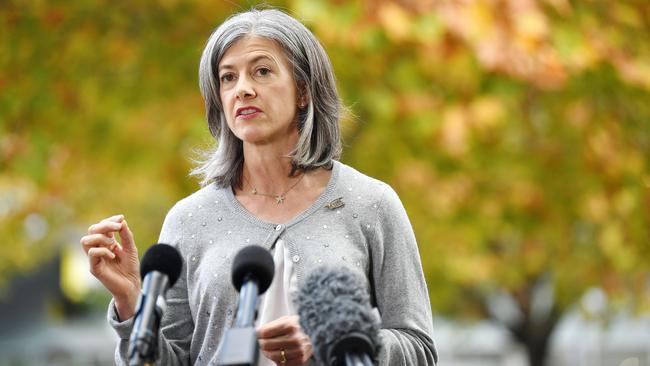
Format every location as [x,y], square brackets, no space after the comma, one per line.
[278,228]
[296,258]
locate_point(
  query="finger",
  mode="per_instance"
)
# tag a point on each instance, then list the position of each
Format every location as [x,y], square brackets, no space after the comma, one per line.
[307,352]
[126,236]
[104,227]
[281,342]
[297,356]
[97,240]
[293,362]
[291,357]
[271,356]
[278,327]
[276,356]
[95,256]
[115,218]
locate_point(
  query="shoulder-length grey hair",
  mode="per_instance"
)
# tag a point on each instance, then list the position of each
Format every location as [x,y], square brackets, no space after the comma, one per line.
[318,123]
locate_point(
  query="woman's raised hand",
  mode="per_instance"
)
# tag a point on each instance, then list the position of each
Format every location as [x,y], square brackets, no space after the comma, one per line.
[116,266]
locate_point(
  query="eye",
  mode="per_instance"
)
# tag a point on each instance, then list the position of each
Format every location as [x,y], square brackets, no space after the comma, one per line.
[227,77]
[263,71]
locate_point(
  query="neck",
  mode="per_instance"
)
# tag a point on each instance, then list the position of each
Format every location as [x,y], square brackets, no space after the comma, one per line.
[267,169]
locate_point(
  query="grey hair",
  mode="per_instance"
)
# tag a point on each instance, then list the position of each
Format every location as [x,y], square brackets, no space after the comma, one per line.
[319,139]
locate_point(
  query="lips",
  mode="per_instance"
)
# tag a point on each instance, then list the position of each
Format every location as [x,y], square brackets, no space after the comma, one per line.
[247,112]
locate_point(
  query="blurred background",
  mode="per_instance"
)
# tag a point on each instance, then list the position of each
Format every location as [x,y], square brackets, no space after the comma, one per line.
[516,132]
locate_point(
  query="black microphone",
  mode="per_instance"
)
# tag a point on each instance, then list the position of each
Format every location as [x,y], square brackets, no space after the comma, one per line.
[334,309]
[160,268]
[252,274]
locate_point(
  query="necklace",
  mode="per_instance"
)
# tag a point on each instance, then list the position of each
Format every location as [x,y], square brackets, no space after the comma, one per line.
[279,198]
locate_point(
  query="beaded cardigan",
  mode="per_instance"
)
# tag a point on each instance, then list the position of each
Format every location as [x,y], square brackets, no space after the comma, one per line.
[358,222]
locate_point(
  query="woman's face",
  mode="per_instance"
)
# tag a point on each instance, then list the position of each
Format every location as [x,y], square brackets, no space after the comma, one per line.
[258,92]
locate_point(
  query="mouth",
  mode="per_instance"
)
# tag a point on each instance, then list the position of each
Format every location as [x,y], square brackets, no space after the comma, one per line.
[247,112]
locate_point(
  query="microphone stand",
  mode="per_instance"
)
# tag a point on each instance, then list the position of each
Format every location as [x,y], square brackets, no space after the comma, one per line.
[357,359]
[353,349]
[240,346]
[143,346]
[247,302]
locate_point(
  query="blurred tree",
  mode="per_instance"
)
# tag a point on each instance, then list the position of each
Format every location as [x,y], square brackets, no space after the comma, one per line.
[516,132]
[99,111]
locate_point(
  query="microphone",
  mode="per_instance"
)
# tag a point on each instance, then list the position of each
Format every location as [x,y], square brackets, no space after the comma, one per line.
[334,309]
[252,274]
[160,268]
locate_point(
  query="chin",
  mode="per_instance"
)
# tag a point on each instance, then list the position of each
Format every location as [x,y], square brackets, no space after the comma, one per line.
[249,133]
[253,138]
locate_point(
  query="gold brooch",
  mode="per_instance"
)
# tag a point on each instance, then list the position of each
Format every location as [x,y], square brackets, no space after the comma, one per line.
[335,204]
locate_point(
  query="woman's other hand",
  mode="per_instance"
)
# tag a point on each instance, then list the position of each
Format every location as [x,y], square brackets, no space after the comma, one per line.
[283,340]
[116,266]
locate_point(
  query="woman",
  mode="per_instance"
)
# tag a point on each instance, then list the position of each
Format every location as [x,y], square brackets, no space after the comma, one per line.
[272,180]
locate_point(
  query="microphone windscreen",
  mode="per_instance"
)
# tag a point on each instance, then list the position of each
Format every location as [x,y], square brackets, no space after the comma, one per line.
[163,258]
[334,309]
[256,262]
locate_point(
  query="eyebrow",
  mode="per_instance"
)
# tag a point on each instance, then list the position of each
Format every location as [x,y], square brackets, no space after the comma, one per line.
[252,61]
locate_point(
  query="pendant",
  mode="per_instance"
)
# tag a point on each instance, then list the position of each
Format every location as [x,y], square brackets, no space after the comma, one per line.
[279,199]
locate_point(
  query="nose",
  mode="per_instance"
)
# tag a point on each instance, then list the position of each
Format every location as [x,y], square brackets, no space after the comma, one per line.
[245,89]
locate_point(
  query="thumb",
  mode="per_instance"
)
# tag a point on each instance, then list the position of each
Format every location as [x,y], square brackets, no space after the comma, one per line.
[126,237]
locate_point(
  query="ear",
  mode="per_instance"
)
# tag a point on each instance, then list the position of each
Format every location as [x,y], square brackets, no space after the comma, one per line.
[303,95]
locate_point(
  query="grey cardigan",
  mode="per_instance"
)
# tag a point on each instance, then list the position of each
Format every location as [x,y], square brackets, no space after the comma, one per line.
[370,234]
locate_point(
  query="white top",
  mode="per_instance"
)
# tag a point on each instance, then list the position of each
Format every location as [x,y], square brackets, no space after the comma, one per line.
[277,301]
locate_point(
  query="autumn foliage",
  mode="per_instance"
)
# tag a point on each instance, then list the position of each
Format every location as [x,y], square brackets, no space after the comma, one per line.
[517,133]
